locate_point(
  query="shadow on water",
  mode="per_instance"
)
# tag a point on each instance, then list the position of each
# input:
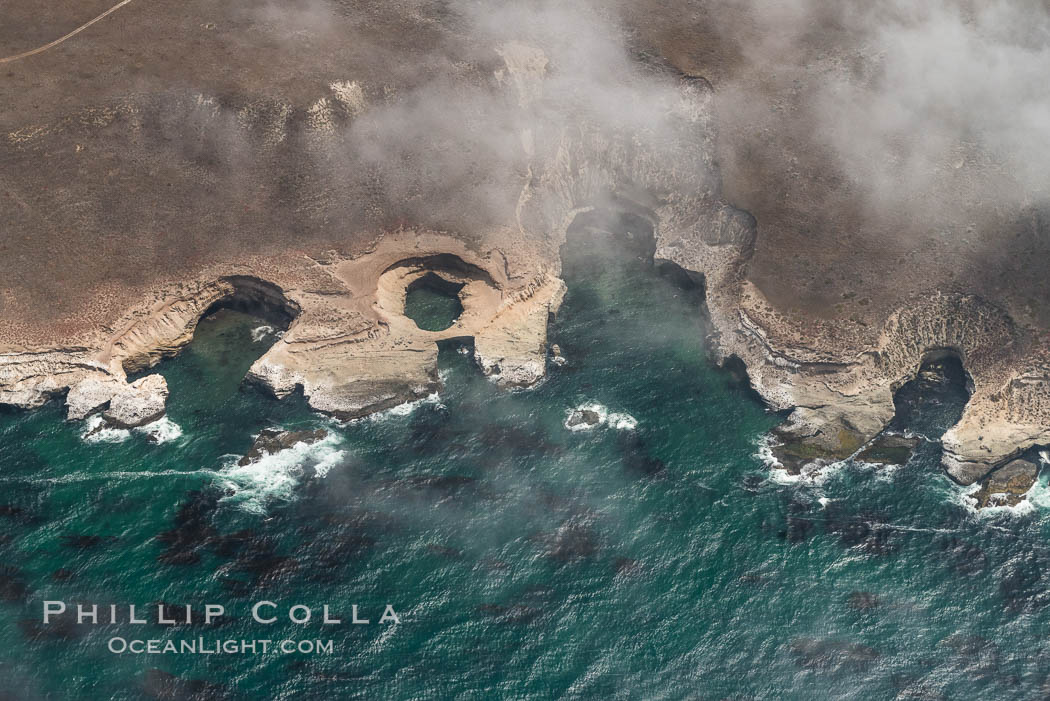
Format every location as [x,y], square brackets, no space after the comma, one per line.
[935,400]
[206,379]
[601,237]
[433,302]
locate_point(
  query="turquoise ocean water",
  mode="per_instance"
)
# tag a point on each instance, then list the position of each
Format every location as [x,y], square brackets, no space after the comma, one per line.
[652,557]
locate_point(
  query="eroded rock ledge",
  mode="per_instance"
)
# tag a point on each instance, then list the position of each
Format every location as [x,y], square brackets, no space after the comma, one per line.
[349,346]
[351,349]
[837,386]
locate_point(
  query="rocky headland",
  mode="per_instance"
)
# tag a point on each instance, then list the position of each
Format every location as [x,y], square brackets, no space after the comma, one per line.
[145,202]
[349,346]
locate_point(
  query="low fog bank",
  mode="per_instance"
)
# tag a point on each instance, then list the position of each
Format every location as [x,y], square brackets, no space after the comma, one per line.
[908,98]
[865,139]
[876,136]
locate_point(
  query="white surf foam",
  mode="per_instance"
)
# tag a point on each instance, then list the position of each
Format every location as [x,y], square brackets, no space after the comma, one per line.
[622,422]
[764,451]
[616,420]
[275,476]
[260,333]
[884,471]
[105,476]
[402,409]
[164,430]
[96,431]
[1038,495]
[962,496]
[813,473]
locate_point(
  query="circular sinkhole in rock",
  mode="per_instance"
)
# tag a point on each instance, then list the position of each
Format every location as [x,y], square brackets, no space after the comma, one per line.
[433,302]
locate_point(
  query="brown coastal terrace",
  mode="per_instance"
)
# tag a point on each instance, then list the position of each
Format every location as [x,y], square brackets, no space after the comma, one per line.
[149,174]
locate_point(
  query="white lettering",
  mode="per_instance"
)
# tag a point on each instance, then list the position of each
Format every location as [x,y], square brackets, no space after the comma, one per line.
[92,614]
[389,615]
[213,611]
[300,607]
[160,616]
[259,605]
[53,608]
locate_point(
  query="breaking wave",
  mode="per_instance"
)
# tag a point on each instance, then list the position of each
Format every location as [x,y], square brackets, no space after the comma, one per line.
[96,431]
[274,477]
[261,333]
[163,430]
[616,420]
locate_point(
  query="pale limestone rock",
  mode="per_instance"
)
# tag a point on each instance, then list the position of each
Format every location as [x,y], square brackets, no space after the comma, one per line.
[90,395]
[30,379]
[138,403]
[352,350]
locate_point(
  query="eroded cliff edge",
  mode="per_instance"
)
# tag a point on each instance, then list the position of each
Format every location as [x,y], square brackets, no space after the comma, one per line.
[348,345]
[838,390]
[258,190]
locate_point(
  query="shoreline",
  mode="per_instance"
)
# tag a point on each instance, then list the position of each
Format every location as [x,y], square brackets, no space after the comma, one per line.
[832,406]
[352,350]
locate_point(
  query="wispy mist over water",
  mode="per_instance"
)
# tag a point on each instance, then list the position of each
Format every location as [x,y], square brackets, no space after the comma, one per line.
[654,555]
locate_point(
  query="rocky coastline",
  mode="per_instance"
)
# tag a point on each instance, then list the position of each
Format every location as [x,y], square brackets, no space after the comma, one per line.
[349,347]
[351,350]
